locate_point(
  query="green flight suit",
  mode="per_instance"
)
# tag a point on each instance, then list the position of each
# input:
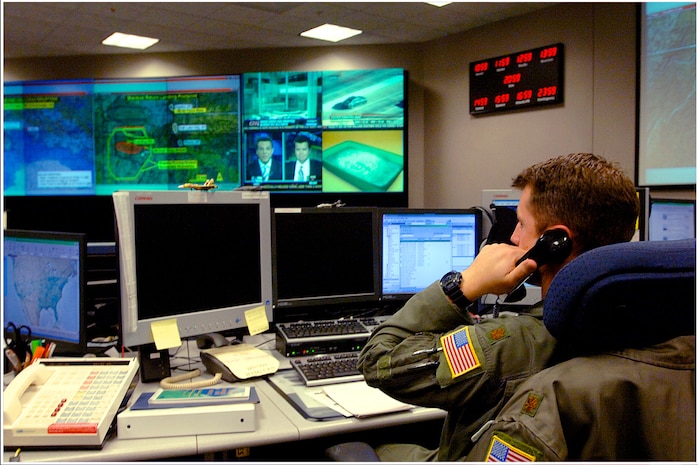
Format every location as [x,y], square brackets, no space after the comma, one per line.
[630,405]
[405,359]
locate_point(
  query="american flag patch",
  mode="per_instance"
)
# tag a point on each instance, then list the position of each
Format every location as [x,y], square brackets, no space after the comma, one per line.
[501,451]
[459,352]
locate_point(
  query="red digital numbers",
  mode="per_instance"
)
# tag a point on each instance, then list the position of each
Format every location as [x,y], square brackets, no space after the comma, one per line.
[524,95]
[481,67]
[547,91]
[549,52]
[512,78]
[502,62]
[524,57]
[480,102]
[502,98]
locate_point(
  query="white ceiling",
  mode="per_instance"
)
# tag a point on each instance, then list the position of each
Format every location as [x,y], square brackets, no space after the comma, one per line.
[32,29]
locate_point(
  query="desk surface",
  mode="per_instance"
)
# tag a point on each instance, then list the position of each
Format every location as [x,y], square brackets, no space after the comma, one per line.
[277,422]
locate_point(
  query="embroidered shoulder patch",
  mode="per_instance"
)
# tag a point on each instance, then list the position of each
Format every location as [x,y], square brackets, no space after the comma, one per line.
[530,406]
[504,448]
[459,350]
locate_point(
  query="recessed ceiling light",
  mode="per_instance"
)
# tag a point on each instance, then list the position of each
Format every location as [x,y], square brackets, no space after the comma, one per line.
[439,4]
[331,33]
[119,39]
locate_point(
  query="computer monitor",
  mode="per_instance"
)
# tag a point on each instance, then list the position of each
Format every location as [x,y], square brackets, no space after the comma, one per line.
[325,260]
[200,258]
[418,246]
[44,286]
[672,219]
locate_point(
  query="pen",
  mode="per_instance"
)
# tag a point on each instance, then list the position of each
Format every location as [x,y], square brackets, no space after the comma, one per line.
[427,351]
[423,365]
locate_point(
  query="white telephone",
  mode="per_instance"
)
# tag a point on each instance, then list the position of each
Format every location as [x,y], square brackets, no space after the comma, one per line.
[238,361]
[66,401]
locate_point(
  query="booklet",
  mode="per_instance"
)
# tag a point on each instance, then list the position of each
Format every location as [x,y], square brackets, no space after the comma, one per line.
[201,396]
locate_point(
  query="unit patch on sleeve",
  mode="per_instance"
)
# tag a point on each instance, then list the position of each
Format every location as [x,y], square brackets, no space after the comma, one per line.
[459,351]
[506,449]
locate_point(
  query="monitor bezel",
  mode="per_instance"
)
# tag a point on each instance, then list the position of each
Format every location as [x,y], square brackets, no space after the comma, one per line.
[138,332]
[62,347]
[402,297]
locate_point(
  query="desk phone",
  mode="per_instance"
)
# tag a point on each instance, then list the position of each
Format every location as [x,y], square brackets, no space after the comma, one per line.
[66,402]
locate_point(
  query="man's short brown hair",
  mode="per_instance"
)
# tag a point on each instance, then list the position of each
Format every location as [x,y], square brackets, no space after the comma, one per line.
[585,192]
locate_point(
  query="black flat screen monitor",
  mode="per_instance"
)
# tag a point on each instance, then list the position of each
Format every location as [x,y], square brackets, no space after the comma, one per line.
[672,219]
[202,259]
[418,246]
[323,258]
[44,286]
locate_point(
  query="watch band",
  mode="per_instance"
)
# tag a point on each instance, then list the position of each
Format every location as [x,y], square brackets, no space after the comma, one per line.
[450,284]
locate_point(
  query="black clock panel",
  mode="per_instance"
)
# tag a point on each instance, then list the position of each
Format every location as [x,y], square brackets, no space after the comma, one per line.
[518,80]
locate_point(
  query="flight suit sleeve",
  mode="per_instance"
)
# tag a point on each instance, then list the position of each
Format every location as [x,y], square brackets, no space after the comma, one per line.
[432,354]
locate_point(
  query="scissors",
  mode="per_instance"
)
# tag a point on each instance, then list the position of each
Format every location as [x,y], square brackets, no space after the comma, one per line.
[19,340]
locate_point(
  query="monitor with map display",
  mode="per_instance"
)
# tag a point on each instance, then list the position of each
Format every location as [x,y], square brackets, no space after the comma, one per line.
[44,286]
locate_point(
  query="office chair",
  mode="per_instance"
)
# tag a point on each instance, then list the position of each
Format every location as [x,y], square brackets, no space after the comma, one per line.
[633,294]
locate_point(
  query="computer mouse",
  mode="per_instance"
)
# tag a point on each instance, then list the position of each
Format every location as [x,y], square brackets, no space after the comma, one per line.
[206,341]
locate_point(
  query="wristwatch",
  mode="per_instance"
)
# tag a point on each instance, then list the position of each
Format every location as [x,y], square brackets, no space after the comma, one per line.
[450,283]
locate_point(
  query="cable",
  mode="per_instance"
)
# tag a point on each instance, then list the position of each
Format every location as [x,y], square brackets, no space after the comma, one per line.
[172,382]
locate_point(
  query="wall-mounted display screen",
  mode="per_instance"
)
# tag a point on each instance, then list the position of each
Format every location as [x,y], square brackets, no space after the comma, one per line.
[330,135]
[325,131]
[518,80]
[92,137]
[666,120]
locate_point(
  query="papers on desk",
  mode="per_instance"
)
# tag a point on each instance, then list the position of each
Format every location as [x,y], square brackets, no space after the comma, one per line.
[362,400]
[350,399]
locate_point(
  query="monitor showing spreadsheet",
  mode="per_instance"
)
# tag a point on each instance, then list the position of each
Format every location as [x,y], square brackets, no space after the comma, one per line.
[418,246]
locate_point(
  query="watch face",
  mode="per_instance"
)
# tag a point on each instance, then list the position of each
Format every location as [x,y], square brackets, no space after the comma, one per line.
[451,279]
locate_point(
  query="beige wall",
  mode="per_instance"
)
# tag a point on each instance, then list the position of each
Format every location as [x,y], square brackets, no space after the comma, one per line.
[452,155]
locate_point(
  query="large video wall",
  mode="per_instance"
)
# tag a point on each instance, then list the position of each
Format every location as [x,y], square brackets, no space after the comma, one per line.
[314,132]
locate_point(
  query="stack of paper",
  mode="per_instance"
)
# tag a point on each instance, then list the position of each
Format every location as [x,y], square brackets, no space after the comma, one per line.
[361,400]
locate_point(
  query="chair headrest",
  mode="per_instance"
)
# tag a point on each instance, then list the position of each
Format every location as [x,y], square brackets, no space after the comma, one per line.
[632,294]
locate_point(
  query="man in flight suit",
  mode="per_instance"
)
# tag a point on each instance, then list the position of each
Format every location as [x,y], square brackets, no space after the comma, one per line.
[430,353]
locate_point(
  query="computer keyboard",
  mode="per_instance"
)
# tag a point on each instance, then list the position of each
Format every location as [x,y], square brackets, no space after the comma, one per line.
[324,369]
[303,338]
[324,328]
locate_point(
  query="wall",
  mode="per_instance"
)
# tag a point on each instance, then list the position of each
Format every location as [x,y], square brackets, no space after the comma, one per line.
[468,153]
[452,155]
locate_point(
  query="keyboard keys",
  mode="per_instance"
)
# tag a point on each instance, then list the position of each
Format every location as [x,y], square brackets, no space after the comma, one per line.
[328,369]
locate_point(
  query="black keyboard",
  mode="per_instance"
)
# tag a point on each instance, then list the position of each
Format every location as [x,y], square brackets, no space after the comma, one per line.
[307,338]
[328,369]
[323,328]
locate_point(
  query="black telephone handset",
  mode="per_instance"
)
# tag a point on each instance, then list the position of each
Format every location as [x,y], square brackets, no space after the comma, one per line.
[554,246]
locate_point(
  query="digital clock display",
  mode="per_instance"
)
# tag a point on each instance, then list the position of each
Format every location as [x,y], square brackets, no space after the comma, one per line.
[519,80]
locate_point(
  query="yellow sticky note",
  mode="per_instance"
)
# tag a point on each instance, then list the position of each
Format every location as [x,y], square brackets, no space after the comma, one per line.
[165,334]
[257,321]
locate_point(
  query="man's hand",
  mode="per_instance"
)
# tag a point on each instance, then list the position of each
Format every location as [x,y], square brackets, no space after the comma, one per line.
[494,271]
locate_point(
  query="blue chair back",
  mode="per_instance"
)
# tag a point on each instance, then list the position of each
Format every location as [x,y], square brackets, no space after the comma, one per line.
[632,294]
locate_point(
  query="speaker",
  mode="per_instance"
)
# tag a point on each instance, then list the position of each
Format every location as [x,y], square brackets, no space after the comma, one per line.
[155,364]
